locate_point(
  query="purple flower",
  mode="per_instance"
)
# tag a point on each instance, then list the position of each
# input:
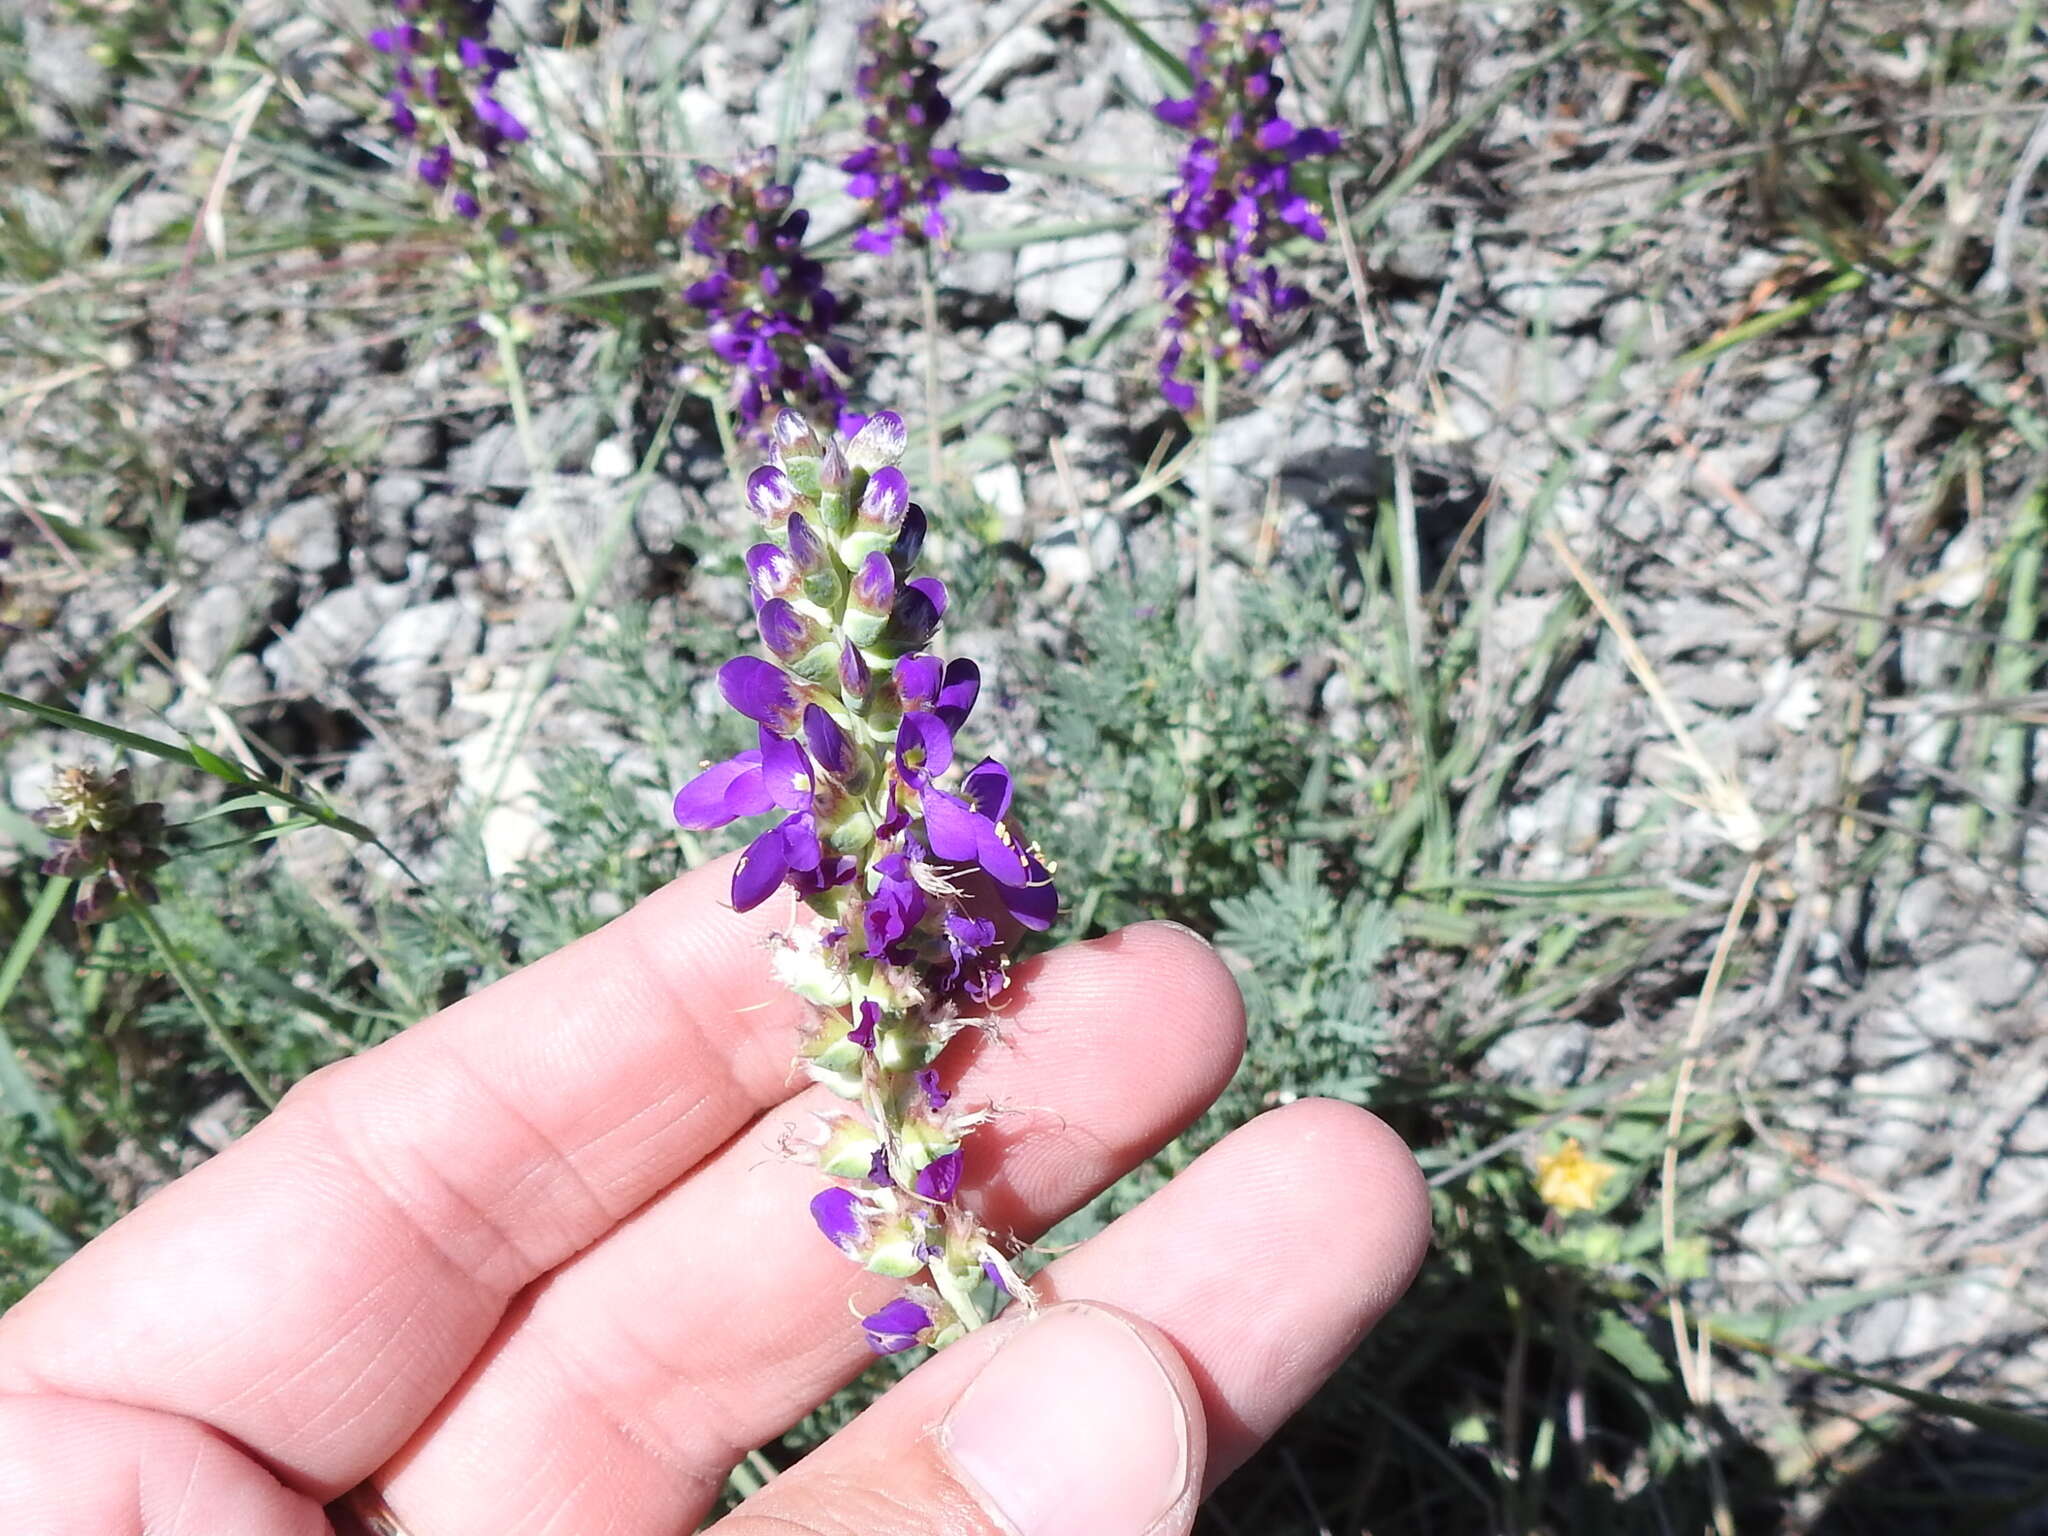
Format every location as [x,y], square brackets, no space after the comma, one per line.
[940,1178]
[766,312]
[895,1327]
[855,728]
[837,1211]
[902,176]
[444,97]
[1236,198]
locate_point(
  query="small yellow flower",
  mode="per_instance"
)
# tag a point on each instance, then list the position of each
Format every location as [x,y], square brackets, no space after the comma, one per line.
[1568,1180]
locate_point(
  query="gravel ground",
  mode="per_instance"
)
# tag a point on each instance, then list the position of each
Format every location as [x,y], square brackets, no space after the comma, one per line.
[1530,350]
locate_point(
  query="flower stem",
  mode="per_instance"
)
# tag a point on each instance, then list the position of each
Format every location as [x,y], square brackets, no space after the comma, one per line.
[1205,502]
[540,465]
[189,985]
[928,285]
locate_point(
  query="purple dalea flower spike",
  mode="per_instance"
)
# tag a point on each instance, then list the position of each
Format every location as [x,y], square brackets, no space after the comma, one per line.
[900,173]
[444,98]
[901,847]
[767,315]
[1236,198]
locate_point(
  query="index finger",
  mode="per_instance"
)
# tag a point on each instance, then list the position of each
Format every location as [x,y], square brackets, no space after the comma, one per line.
[318,1287]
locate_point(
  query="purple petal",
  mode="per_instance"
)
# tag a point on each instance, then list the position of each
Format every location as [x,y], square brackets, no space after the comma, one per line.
[953,828]
[1177,114]
[785,774]
[917,680]
[896,1326]
[886,499]
[723,793]
[878,444]
[769,491]
[838,1215]
[795,439]
[956,698]
[934,591]
[874,585]
[939,1178]
[771,573]
[988,788]
[830,748]
[924,746]
[934,1095]
[854,678]
[759,871]
[1036,902]
[759,690]
[785,631]
[1277,134]
[909,539]
[805,547]
[863,1033]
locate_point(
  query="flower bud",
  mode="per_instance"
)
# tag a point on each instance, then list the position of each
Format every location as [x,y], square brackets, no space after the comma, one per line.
[794,437]
[803,645]
[771,573]
[870,599]
[772,495]
[813,561]
[884,503]
[834,481]
[856,681]
[848,1148]
[831,749]
[879,443]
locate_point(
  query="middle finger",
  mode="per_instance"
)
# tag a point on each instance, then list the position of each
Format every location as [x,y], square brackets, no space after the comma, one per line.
[619,1392]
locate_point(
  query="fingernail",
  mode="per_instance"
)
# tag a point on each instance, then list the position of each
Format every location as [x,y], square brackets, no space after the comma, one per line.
[1074,1428]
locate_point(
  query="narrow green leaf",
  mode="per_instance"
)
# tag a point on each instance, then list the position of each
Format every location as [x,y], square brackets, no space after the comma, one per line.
[213,763]
[170,752]
[2022,1427]
[17,1092]
[1173,74]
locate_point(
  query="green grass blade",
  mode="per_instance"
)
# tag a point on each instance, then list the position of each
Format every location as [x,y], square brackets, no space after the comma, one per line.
[18,1091]
[1173,74]
[190,757]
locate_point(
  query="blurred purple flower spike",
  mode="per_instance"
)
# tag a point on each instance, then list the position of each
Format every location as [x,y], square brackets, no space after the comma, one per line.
[1235,199]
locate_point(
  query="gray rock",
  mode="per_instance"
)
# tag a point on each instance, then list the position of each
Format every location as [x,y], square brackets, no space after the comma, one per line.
[331,635]
[390,502]
[1546,297]
[216,622]
[1072,278]
[306,535]
[411,445]
[421,638]
[661,516]
[1545,1056]
[566,431]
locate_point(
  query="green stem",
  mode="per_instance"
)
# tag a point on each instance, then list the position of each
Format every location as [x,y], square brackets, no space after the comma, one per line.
[17,1088]
[540,466]
[929,292]
[1205,499]
[189,985]
[729,446]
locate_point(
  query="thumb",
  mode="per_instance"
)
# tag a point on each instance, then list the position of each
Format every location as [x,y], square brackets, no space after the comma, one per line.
[1080,1421]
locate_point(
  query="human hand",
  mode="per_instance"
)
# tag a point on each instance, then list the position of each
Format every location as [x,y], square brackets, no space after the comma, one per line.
[536,1266]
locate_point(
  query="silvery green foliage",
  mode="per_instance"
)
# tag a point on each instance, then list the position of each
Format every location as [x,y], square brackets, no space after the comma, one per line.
[1309,966]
